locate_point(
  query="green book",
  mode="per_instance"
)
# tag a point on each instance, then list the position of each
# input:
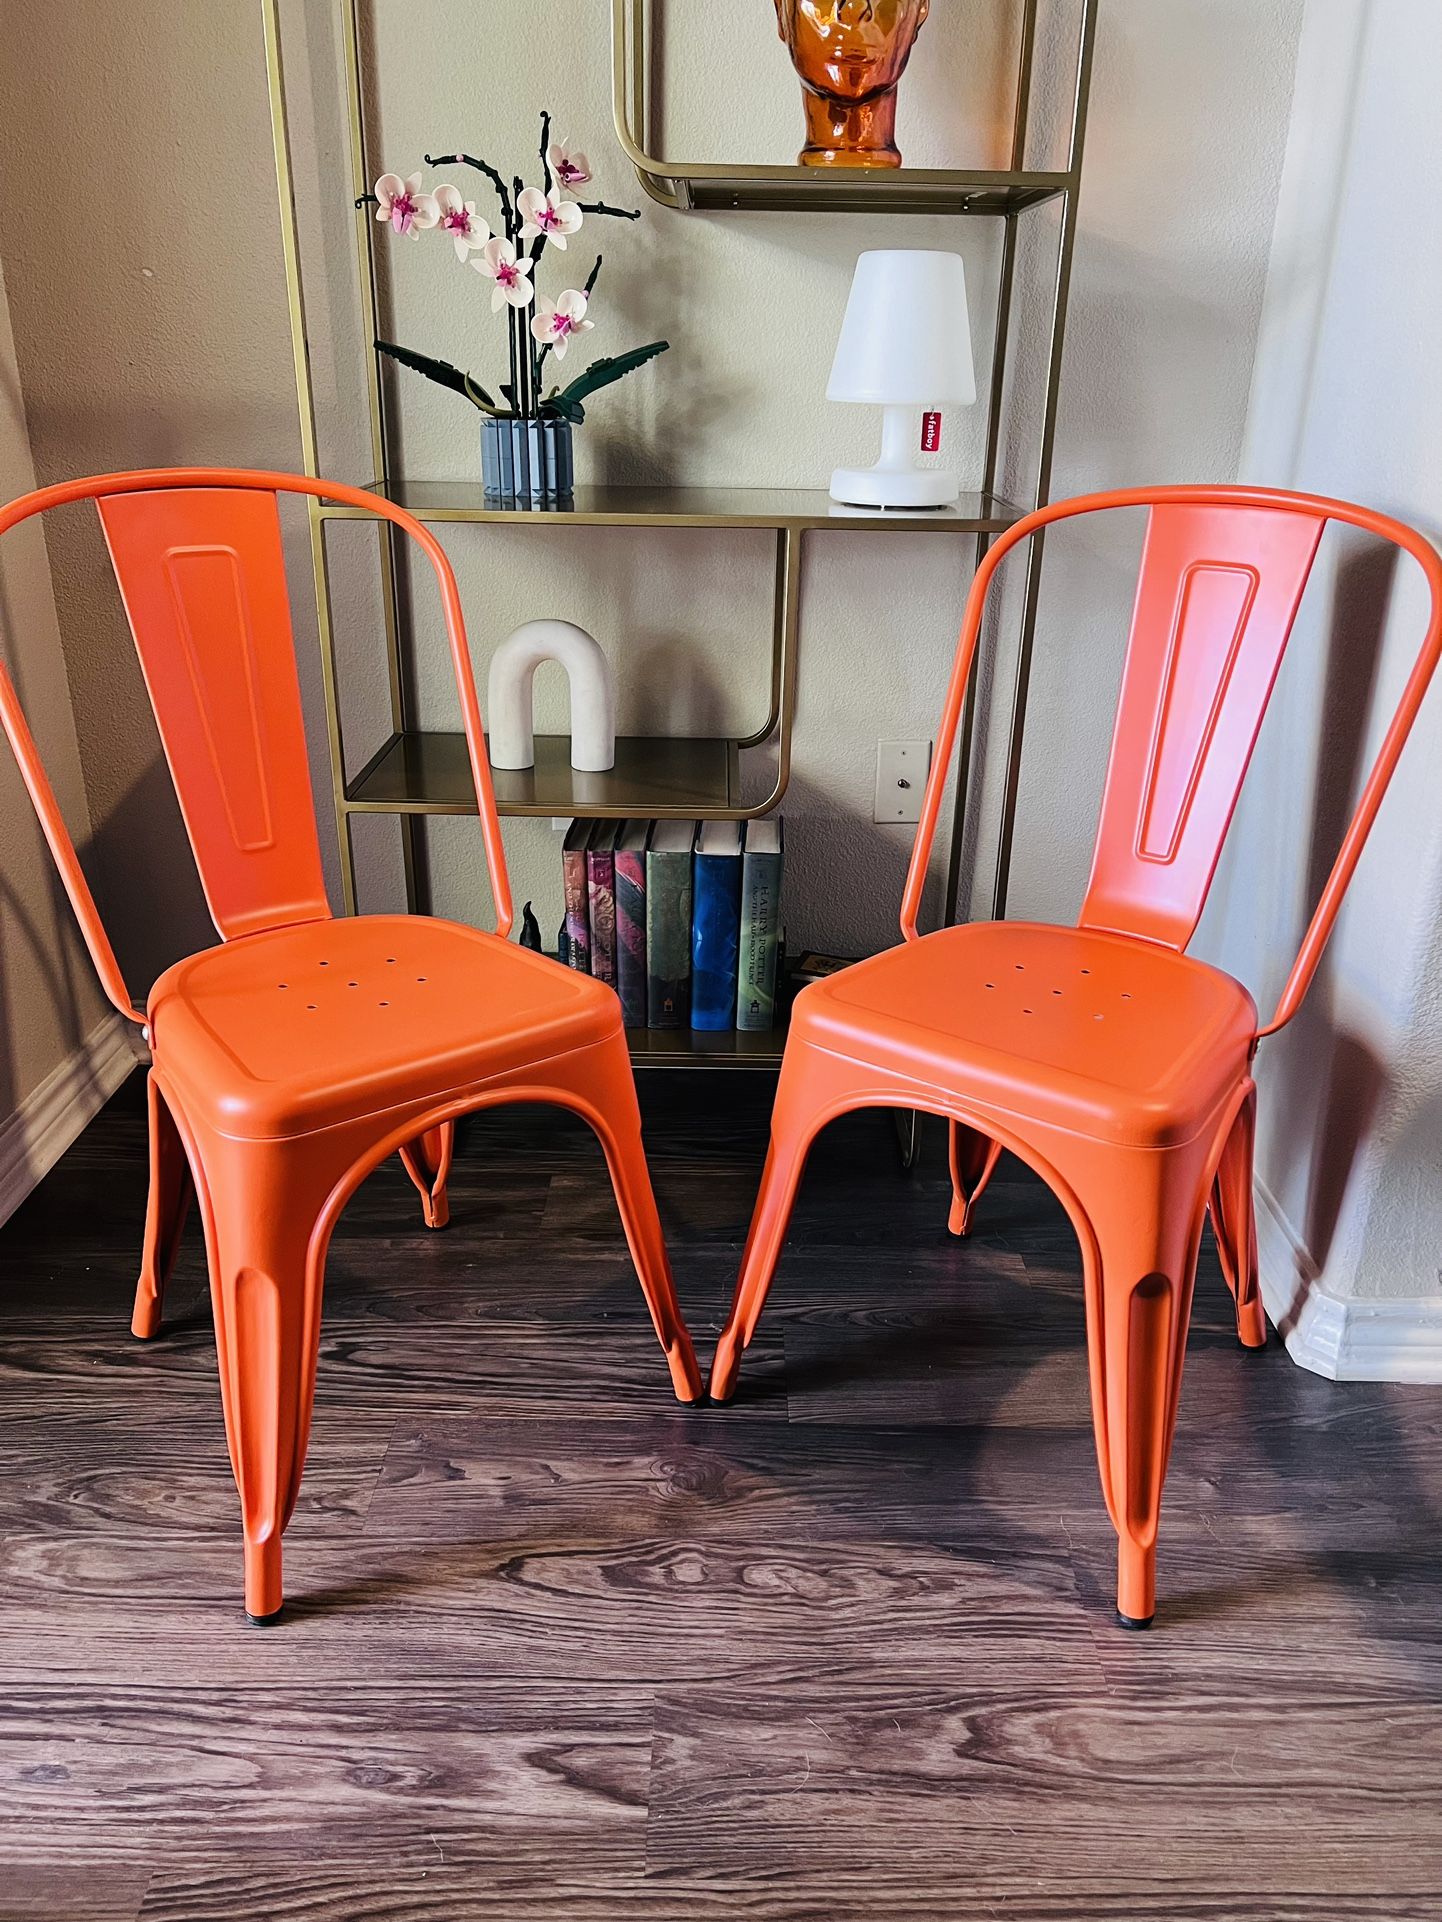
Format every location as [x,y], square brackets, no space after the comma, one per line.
[668,924]
[760,926]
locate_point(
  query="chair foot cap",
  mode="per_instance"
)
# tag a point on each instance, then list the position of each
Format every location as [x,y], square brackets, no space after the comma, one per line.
[264,1621]
[1252,1347]
[1135,1622]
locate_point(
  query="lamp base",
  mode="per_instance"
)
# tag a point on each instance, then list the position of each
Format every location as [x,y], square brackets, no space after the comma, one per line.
[896,480]
[883,486]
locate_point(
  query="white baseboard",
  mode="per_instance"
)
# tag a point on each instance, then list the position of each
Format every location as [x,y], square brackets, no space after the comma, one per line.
[1341,1337]
[52,1115]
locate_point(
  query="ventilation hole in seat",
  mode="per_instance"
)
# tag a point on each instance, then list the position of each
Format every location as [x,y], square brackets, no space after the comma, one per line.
[1086,970]
[1020,968]
[1126,997]
[420,977]
[1026,1010]
[311,1006]
[390,960]
[383,1004]
[325,964]
[1098,1017]
[352,984]
[1056,990]
[991,984]
[282,984]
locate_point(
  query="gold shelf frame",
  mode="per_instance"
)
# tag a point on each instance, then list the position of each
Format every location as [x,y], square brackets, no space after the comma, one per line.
[791,514]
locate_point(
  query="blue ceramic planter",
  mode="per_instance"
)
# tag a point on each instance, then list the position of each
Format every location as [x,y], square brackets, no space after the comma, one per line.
[527,463]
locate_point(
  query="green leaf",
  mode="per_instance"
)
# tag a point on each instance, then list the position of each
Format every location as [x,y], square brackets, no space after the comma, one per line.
[602,372]
[557,404]
[442,373]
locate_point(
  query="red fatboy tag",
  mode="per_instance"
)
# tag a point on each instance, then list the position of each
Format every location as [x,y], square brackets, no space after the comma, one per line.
[930,433]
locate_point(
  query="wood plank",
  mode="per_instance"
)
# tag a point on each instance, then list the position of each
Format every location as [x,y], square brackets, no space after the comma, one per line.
[556,1647]
[1039,1785]
[593,1890]
[131,1775]
[616,1608]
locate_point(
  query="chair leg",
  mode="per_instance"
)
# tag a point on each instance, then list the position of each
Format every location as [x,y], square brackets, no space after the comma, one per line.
[602,1080]
[266,1270]
[793,1128]
[973,1158]
[427,1161]
[1234,1223]
[1146,1212]
[165,1210]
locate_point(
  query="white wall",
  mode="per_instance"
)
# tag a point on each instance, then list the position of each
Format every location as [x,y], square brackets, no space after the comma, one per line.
[1347,400]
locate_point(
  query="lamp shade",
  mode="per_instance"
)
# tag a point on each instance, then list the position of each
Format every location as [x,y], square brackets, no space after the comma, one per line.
[906,339]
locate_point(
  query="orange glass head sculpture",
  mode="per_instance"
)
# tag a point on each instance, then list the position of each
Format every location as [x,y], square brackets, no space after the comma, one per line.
[850,55]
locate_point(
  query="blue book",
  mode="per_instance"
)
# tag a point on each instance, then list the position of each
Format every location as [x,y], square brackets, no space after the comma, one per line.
[715,925]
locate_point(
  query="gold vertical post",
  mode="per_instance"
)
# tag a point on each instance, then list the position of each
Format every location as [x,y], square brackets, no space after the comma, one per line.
[391,540]
[305,396]
[1021,680]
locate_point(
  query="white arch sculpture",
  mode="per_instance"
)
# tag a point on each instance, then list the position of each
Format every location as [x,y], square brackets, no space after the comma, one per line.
[509,696]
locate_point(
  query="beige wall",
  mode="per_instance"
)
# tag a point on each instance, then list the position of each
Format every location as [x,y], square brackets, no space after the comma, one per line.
[49,1000]
[148,303]
[1171,262]
[165,339]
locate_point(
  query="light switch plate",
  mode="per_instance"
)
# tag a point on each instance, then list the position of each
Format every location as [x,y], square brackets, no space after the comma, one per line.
[901,770]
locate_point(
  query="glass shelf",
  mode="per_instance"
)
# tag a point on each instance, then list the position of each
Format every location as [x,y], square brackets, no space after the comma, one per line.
[797,508]
[656,777]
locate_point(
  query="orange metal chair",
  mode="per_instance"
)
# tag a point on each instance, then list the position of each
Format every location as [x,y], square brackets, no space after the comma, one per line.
[292,1059]
[1101,1055]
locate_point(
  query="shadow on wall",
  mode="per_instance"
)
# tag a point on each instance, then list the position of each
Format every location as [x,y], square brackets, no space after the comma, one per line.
[1354,1079]
[145,881]
[57,959]
[844,876]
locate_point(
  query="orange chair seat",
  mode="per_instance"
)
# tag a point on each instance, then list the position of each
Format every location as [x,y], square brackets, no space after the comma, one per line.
[282,1033]
[1100,1033]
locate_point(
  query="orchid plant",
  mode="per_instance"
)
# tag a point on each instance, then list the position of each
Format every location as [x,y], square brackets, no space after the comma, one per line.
[532,219]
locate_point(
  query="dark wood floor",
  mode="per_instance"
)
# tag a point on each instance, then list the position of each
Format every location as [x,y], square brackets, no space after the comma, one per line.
[555,1648]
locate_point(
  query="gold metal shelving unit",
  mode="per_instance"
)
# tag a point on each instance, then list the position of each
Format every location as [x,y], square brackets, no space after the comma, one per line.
[413,773]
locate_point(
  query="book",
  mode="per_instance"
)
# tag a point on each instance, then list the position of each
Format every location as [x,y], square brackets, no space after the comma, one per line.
[578,911]
[668,923]
[716,925]
[760,926]
[631,921]
[601,898]
[817,967]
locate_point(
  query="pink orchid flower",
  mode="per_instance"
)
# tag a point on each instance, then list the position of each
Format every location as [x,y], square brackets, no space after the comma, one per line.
[512,276]
[549,215]
[460,221]
[571,169]
[558,326]
[402,203]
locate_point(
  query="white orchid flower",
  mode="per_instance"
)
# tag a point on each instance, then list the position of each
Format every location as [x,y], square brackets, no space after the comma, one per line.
[402,203]
[512,276]
[460,222]
[557,326]
[549,215]
[571,169]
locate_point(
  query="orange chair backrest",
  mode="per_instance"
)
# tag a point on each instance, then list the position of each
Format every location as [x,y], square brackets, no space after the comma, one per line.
[197,553]
[1217,594]
[1222,574]
[202,576]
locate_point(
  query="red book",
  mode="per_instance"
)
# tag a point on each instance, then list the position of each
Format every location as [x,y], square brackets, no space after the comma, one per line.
[573,880]
[601,895]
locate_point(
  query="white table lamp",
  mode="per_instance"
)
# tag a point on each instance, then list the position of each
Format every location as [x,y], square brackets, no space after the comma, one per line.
[905,346]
